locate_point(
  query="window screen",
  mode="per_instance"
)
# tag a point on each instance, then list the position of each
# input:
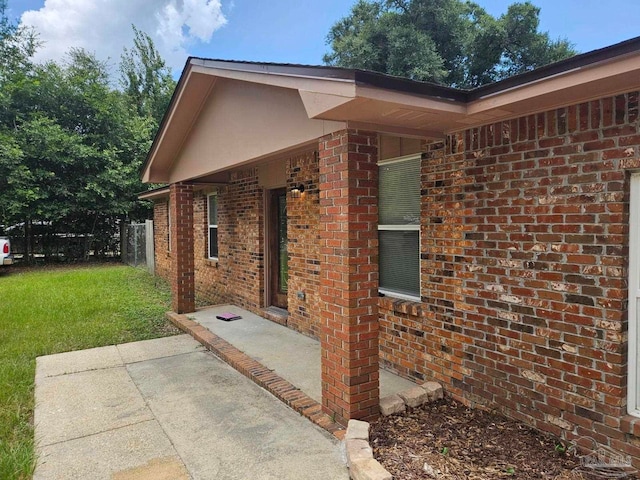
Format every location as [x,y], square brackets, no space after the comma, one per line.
[399,226]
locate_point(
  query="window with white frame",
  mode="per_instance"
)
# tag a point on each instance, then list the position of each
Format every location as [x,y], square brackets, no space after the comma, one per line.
[399,227]
[168,225]
[212,208]
[633,387]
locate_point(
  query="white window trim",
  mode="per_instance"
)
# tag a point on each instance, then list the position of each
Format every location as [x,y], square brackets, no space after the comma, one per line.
[401,296]
[633,400]
[210,226]
[400,228]
[404,228]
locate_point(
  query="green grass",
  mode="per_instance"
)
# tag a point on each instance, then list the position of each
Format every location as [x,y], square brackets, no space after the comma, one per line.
[57,310]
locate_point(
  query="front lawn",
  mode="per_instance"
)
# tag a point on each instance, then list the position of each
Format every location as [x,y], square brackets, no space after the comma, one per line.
[57,310]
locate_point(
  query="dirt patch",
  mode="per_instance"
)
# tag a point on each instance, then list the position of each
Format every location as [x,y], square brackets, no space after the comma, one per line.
[458,443]
[167,468]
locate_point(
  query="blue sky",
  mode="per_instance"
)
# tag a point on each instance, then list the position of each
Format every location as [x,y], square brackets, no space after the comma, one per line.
[274,30]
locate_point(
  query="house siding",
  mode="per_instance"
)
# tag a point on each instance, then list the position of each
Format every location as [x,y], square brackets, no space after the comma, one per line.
[524,254]
[524,258]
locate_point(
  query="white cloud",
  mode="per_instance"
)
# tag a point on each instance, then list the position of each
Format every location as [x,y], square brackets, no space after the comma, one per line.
[104,26]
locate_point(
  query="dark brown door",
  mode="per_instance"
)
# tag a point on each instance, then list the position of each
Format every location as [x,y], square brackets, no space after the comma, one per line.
[278,255]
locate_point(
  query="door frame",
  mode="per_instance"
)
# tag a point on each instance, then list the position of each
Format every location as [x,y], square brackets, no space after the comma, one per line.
[633,321]
[271,249]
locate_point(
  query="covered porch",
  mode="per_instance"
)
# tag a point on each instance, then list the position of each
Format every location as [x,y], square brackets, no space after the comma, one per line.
[279,359]
[326,237]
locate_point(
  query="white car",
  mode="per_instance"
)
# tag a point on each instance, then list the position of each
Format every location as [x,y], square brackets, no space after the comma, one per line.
[5,252]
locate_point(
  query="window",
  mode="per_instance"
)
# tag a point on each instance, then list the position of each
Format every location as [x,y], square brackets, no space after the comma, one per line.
[633,404]
[212,201]
[399,227]
[168,225]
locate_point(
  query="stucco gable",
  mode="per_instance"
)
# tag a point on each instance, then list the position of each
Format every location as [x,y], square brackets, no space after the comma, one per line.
[228,114]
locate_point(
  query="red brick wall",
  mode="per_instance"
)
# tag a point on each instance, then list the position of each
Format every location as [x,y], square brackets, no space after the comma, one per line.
[161,238]
[238,275]
[349,274]
[303,216]
[181,240]
[241,239]
[211,278]
[523,270]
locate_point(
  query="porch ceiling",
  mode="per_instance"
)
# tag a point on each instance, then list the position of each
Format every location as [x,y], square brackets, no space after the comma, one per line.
[228,114]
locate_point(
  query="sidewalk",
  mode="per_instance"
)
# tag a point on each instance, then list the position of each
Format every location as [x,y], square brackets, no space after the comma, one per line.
[168,409]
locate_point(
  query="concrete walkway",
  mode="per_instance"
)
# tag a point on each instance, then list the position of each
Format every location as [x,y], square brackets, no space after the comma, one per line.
[166,409]
[293,356]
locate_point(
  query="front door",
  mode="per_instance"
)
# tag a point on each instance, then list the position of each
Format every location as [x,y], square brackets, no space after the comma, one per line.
[278,256]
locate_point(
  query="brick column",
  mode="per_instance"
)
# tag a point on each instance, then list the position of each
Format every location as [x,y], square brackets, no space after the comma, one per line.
[349,274]
[182,267]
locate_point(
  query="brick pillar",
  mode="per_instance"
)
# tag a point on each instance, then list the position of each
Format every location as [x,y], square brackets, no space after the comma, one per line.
[182,266]
[349,274]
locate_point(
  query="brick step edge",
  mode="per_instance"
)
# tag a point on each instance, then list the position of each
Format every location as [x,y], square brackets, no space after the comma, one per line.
[362,465]
[258,373]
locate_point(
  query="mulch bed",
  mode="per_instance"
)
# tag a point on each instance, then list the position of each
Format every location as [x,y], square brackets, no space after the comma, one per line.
[458,443]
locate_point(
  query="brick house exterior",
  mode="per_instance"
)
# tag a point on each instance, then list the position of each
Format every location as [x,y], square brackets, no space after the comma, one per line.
[524,235]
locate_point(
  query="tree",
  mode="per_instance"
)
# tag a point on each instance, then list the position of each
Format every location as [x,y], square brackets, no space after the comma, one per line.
[71,146]
[144,77]
[524,48]
[147,86]
[17,45]
[61,173]
[452,42]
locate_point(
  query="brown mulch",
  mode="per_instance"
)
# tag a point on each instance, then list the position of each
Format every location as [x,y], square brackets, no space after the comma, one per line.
[459,443]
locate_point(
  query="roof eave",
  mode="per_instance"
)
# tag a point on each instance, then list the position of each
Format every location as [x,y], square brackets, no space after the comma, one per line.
[339,94]
[144,170]
[576,62]
[154,194]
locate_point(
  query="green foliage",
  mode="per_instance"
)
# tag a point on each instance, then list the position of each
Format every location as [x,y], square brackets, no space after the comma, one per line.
[375,38]
[560,448]
[58,310]
[145,78]
[71,146]
[453,42]
[17,44]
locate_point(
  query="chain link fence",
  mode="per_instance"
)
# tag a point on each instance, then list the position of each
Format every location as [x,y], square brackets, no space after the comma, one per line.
[137,245]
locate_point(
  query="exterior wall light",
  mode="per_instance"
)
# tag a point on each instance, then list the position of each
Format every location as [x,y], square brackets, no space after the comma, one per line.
[296,190]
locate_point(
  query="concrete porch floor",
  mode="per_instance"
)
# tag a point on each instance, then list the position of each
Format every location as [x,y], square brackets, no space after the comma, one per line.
[293,356]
